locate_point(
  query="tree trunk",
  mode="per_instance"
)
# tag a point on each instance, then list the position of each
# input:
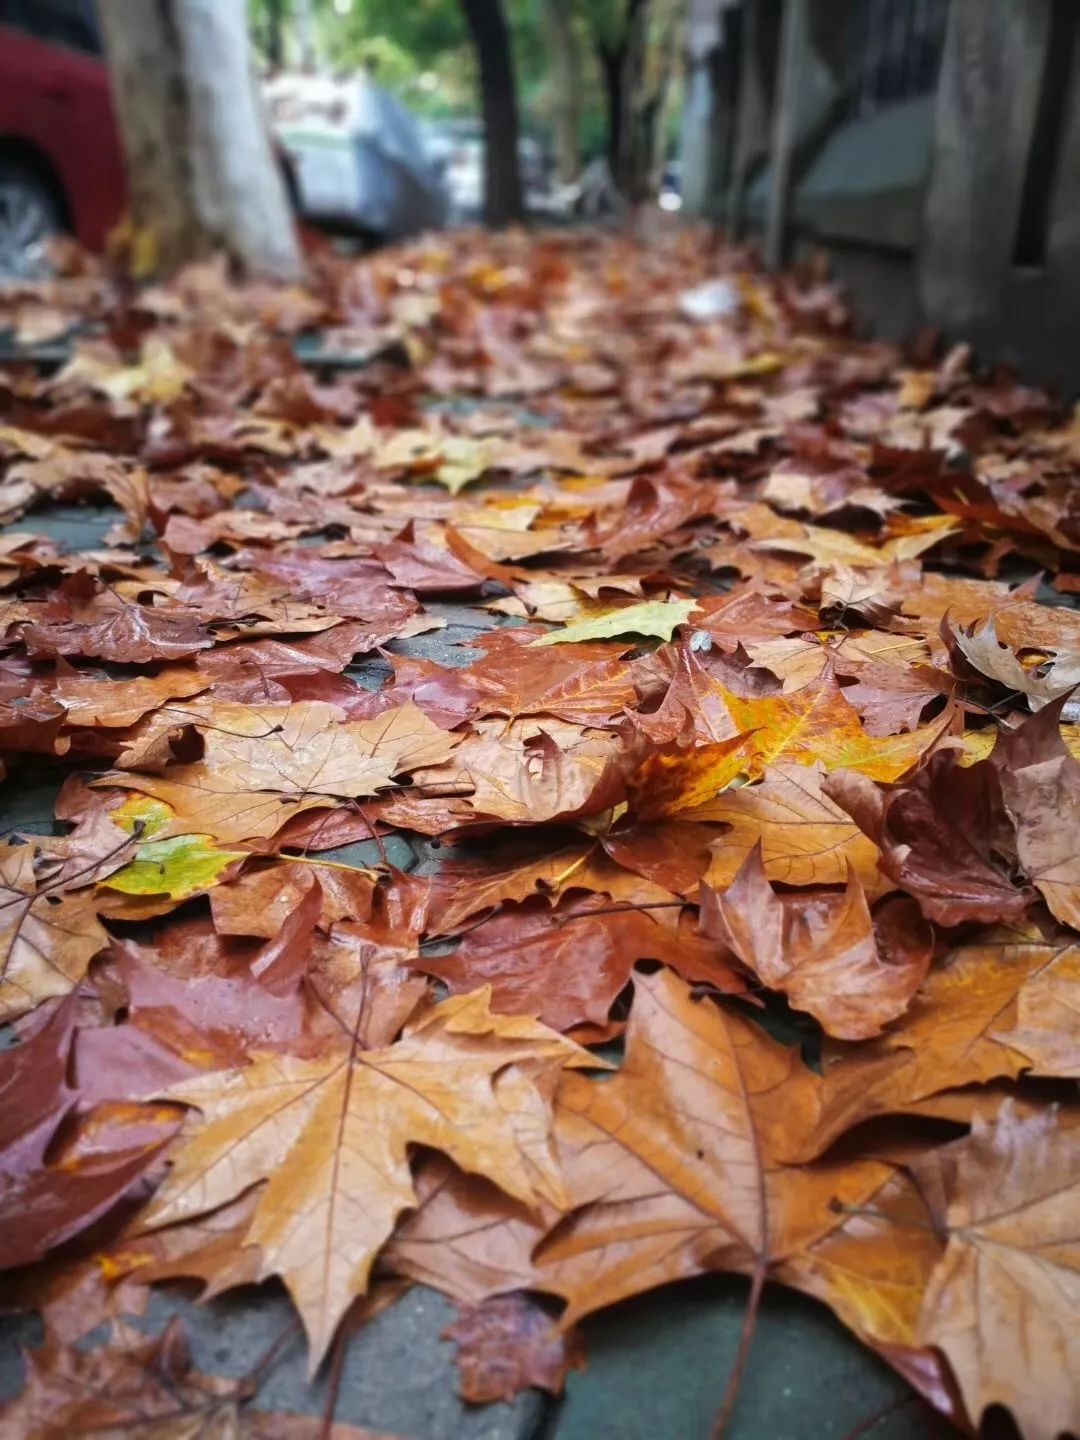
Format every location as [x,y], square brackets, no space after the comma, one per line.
[611,65]
[502,173]
[566,84]
[305,36]
[630,165]
[275,34]
[202,175]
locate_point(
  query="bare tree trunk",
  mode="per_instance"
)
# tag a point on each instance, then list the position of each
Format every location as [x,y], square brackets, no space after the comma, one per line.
[566,84]
[503,202]
[201,169]
[275,33]
[630,164]
[305,35]
[653,39]
[610,58]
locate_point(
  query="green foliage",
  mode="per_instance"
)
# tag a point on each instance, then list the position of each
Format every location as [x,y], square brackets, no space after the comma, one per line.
[420,49]
[179,867]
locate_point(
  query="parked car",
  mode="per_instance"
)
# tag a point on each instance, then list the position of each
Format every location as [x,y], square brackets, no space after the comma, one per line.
[456,148]
[355,154]
[61,166]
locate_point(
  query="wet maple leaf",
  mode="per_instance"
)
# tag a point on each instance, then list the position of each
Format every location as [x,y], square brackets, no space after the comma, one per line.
[93,621]
[808,725]
[99,700]
[307,747]
[148,1386]
[177,867]
[87,1173]
[48,936]
[651,617]
[1003,1301]
[35,1091]
[944,837]
[872,1269]
[671,1162]
[587,688]
[1040,781]
[461,1080]
[825,951]
[567,967]
[199,803]
[508,1343]
[955,1033]
[466,1237]
[805,837]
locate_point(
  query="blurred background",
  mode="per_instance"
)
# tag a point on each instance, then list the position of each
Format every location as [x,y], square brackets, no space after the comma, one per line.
[919,148]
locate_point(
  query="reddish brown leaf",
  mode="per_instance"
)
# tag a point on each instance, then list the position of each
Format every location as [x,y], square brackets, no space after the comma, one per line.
[567,966]
[509,1343]
[824,950]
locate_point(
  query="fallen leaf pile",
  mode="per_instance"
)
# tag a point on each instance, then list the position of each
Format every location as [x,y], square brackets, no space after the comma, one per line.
[750,748]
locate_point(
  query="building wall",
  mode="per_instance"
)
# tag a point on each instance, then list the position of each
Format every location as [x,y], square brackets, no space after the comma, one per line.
[955,205]
[1000,261]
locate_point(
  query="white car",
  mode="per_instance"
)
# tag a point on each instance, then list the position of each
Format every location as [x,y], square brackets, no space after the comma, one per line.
[355,156]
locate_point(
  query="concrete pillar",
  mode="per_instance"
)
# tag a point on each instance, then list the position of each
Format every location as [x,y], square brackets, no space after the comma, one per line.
[1000,260]
[711,91]
[988,92]
[757,81]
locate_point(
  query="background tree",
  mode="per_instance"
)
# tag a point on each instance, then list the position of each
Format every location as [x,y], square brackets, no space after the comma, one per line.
[565,67]
[503,202]
[201,169]
[636,44]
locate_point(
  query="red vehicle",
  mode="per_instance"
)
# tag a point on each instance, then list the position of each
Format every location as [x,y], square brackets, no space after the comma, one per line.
[61,166]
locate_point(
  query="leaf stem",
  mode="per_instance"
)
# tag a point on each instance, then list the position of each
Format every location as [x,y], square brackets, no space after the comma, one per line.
[742,1354]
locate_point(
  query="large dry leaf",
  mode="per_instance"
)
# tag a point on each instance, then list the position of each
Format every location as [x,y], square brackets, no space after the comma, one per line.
[1040,781]
[853,973]
[330,1138]
[1004,1301]
[672,1161]
[944,838]
[47,936]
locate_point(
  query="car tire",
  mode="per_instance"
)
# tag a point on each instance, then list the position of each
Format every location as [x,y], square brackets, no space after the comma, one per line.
[29,215]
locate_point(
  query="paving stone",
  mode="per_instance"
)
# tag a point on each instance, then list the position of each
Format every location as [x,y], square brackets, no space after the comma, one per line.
[399,1374]
[658,1367]
[366,854]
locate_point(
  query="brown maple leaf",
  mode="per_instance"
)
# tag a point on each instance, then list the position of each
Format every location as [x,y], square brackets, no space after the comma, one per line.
[461,1080]
[567,966]
[851,971]
[509,1342]
[48,936]
[1003,1301]
[944,837]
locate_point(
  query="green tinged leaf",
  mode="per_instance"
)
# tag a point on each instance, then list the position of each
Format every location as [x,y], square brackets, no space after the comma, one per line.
[177,867]
[144,811]
[652,617]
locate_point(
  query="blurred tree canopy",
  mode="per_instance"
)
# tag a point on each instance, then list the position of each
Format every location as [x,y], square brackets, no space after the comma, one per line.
[626,57]
[421,50]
